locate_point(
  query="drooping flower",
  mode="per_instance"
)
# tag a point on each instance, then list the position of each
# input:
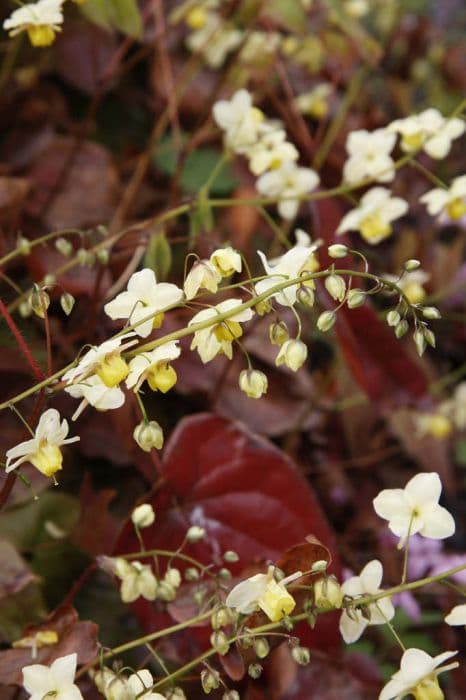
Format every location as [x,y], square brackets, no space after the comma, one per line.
[353,624]
[227,261]
[295,262]
[451,201]
[240,121]
[369,156]
[253,382]
[287,184]
[136,580]
[104,361]
[271,151]
[203,275]
[218,337]
[416,509]
[316,102]
[374,215]
[429,131]
[154,366]
[264,592]
[292,354]
[144,302]
[55,681]
[119,687]
[457,615]
[43,450]
[41,20]
[143,515]
[94,392]
[418,676]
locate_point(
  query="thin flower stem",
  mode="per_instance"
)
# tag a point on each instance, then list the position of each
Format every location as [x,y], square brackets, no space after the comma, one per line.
[164,553]
[406,553]
[37,241]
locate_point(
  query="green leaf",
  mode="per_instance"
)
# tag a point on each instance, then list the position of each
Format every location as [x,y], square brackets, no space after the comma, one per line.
[289,13]
[123,15]
[158,255]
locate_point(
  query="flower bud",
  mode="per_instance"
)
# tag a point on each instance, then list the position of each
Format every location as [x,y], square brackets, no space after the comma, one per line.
[293,354]
[222,617]
[143,515]
[263,307]
[429,336]
[102,256]
[25,309]
[301,655]
[254,670]
[165,591]
[401,329]
[231,695]
[326,321]
[81,256]
[336,287]
[63,246]
[231,556]
[210,680]
[198,596]
[219,642]
[67,303]
[225,574]
[355,298]
[431,312]
[39,301]
[319,565]
[191,574]
[278,333]
[420,341]
[393,318]
[173,577]
[261,647]
[49,280]
[411,265]
[306,296]
[327,593]
[227,261]
[23,246]
[253,382]
[338,250]
[195,534]
[148,435]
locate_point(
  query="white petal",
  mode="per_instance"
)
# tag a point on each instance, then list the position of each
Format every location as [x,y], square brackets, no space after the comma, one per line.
[390,502]
[243,597]
[438,522]
[351,629]
[371,576]
[36,679]
[142,283]
[64,669]
[457,616]
[122,306]
[424,488]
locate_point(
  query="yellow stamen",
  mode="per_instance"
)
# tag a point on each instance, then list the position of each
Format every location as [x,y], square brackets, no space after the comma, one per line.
[374,228]
[228,331]
[196,18]
[414,292]
[428,689]
[112,370]
[456,209]
[276,602]
[48,458]
[412,142]
[161,378]
[439,426]
[41,35]
[157,320]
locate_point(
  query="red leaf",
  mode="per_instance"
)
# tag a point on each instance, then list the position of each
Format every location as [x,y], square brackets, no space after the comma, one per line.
[95,531]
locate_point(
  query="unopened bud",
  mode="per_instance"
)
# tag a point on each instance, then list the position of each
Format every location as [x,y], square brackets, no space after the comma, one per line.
[261,647]
[102,256]
[219,642]
[148,435]
[306,296]
[49,280]
[255,670]
[355,298]
[166,592]
[253,382]
[143,515]
[420,341]
[338,250]
[278,333]
[264,307]
[25,309]
[221,617]
[301,655]
[225,574]
[23,245]
[231,556]
[326,321]
[198,596]
[328,593]
[411,265]
[430,337]
[210,680]
[195,534]
[39,301]
[393,318]
[191,574]
[319,565]
[336,287]
[401,329]
[173,577]
[63,246]
[431,312]
[67,302]
[231,695]
[81,256]
[293,354]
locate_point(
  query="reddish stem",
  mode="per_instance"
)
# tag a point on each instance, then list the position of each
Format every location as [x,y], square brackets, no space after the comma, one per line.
[39,375]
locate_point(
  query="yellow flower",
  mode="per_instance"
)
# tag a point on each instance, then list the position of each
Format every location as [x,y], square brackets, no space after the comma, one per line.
[264,592]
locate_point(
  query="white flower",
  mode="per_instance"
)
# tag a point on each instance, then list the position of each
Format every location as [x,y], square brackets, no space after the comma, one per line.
[119,687]
[103,360]
[144,302]
[353,624]
[259,46]
[271,151]
[239,120]
[411,284]
[292,354]
[429,131]
[202,275]
[369,156]
[227,261]
[264,592]
[43,450]
[416,509]
[418,676]
[253,382]
[154,366]
[218,337]
[214,39]
[95,393]
[148,435]
[41,20]
[452,201]
[374,214]
[136,580]
[315,102]
[287,183]
[143,515]
[142,681]
[55,681]
[296,261]
[457,616]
